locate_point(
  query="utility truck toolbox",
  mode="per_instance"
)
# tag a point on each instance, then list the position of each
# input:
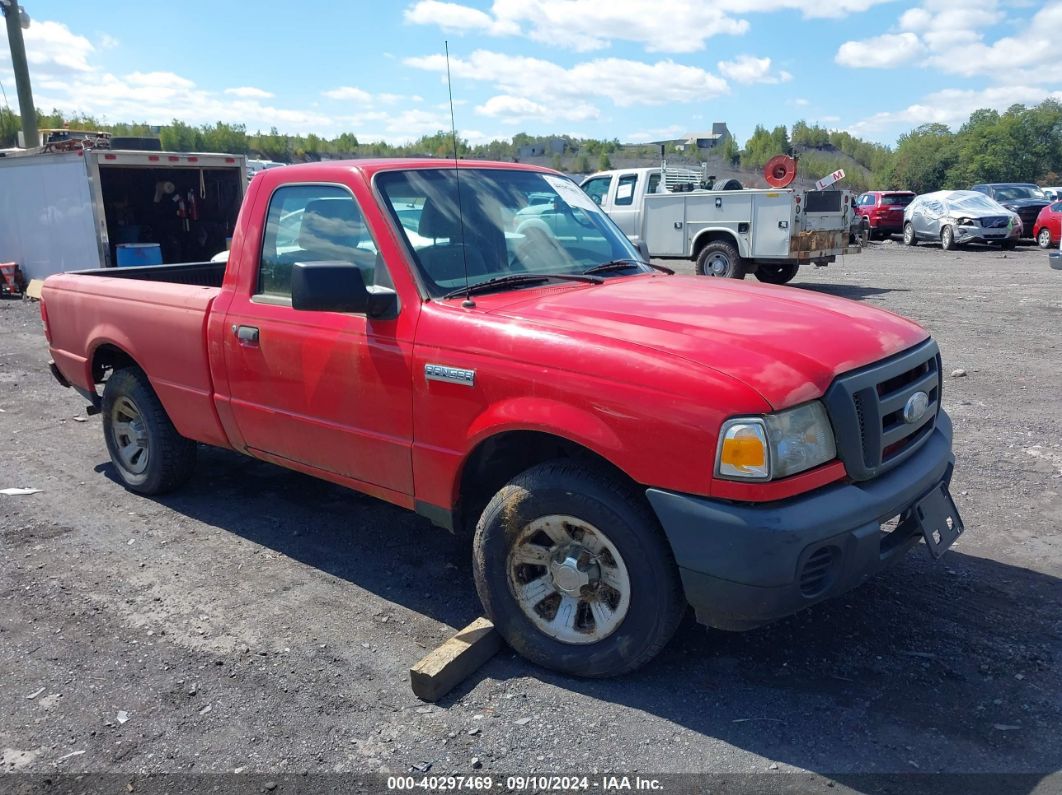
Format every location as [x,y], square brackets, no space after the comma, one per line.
[480,343]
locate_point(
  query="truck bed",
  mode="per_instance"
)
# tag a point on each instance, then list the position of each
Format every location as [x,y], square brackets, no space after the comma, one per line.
[155,314]
[203,274]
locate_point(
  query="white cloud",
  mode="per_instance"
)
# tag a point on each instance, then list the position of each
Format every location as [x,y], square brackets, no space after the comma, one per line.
[349,93]
[512,109]
[624,82]
[584,25]
[66,77]
[810,10]
[952,106]
[955,38]
[108,42]
[455,17]
[749,69]
[248,92]
[53,47]
[880,52]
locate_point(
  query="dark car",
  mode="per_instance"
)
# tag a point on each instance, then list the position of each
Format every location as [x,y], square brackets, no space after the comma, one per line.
[1024,198]
[883,210]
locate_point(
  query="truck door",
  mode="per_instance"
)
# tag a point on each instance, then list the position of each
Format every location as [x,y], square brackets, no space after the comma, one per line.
[625,211]
[327,390]
[772,219]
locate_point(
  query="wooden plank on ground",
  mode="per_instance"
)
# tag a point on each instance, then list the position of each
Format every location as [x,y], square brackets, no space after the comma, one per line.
[441,670]
[33,290]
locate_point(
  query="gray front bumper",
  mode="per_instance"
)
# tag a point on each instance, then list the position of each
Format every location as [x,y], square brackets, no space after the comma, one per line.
[745,564]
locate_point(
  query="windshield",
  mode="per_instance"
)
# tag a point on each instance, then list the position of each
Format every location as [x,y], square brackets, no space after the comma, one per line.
[1011,192]
[896,199]
[974,203]
[515,223]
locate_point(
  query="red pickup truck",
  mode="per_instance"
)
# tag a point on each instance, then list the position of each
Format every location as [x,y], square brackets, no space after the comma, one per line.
[620,441]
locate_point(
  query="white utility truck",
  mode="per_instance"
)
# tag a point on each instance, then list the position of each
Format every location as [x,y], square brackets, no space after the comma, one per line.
[72,206]
[769,232]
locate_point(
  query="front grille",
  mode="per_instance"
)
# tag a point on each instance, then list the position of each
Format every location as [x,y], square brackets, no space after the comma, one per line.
[1028,217]
[866,409]
[995,222]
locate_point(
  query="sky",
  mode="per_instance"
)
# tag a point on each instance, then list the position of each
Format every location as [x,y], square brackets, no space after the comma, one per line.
[636,70]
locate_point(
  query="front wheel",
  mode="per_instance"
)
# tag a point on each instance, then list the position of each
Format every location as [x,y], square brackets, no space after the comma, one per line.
[146,450]
[947,239]
[909,238]
[1043,240]
[574,571]
[720,258]
[777,274]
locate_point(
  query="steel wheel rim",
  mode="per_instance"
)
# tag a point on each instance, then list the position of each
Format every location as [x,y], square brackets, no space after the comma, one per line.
[568,579]
[717,264]
[130,437]
[1045,238]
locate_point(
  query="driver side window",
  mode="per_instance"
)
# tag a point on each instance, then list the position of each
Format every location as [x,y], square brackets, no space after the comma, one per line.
[314,223]
[597,189]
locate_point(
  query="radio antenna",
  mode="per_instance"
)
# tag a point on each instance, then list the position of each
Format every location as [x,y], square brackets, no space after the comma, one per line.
[468,303]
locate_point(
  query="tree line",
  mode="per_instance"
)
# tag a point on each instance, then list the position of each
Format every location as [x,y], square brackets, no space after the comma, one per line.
[1022,144]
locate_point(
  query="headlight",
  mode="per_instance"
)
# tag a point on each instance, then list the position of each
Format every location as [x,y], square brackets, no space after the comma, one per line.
[969,222]
[775,445]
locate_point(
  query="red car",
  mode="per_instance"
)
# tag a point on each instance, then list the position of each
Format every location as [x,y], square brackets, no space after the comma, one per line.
[616,441]
[883,210]
[1048,227]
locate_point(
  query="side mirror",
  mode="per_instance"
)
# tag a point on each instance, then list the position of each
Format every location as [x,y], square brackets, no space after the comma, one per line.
[339,287]
[643,249]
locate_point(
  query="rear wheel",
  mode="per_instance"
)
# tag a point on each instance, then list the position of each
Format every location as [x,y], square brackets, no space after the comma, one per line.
[575,573]
[947,239]
[909,238]
[720,258]
[1043,240]
[777,274]
[146,450]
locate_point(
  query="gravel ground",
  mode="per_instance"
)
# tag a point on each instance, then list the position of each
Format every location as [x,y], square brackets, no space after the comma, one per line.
[265,621]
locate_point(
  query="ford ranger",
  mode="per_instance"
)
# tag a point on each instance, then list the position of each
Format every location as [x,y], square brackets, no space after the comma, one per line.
[618,441]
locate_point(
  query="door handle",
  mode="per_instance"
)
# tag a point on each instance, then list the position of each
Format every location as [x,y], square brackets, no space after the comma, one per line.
[248,335]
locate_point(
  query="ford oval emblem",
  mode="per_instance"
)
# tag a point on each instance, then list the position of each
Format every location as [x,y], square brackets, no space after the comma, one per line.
[915,407]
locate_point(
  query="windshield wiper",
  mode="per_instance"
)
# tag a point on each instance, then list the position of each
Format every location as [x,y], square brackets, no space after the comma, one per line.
[623,264]
[513,279]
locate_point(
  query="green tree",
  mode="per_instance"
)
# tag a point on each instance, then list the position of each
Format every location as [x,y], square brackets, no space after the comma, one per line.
[181,137]
[923,159]
[603,163]
[731,152]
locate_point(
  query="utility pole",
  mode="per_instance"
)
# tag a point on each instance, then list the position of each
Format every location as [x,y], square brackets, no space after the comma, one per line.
[17,19]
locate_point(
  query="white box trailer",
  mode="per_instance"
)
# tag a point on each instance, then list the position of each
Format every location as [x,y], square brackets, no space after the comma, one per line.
[71,210]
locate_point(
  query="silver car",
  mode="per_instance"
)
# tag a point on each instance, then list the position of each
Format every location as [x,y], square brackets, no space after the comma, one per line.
[956,217]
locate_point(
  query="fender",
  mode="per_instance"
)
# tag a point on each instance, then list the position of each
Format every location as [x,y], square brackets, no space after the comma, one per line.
[189,407]
[437,472]
[546,416]
[715,232]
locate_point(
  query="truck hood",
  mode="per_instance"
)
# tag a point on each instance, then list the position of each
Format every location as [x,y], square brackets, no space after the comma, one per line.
[1016,204]
[788,344]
